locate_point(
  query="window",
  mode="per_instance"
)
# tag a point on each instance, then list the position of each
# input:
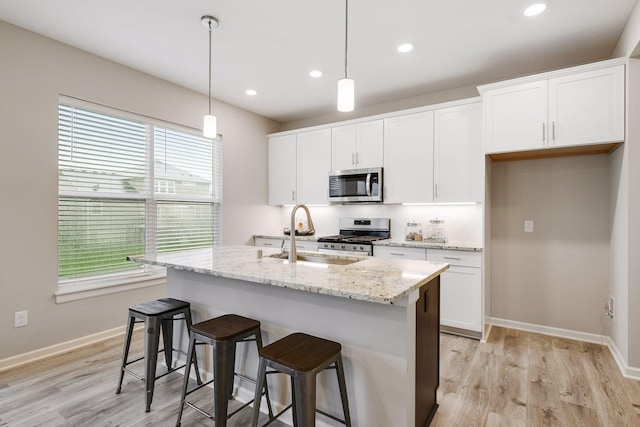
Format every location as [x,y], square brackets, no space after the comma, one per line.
[129,185]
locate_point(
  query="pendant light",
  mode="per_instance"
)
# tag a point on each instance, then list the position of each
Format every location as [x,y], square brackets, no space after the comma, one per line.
[346,86]
[210,124]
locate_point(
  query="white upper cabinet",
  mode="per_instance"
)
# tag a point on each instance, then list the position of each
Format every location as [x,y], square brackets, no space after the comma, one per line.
[282,170]
[515,118]
[314,164]
[587,108]
[459,156]
[357,146]
[573,109]
[408,158]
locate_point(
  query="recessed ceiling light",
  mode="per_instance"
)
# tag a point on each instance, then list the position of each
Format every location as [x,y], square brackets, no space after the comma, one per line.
[535,8]
[405,47]
[251,92]
[315,73]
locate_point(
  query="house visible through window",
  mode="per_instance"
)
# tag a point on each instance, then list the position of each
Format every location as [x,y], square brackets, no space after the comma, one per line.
[129,185]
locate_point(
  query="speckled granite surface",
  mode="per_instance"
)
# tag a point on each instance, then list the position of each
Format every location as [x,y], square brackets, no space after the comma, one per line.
[383,281]
[427,245]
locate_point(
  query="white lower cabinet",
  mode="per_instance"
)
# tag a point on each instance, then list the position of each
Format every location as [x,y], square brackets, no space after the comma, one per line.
[400,252]
[460,290]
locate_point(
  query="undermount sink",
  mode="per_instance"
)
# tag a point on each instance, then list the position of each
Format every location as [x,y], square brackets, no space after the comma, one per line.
[319,259]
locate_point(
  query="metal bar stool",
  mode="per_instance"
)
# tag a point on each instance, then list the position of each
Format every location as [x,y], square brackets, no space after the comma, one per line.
[157,315]
[302,357]
[223,333]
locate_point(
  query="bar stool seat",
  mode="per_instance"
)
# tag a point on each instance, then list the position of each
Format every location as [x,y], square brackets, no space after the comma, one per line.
[223,333]
[302,357]
[157,315]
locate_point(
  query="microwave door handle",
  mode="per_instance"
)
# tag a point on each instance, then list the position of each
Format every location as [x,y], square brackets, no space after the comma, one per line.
[368,185]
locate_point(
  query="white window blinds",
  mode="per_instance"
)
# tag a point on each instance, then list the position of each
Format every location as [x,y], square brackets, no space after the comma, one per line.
[129,186]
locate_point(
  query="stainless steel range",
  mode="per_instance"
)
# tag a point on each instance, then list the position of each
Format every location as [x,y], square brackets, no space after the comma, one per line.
[356,236]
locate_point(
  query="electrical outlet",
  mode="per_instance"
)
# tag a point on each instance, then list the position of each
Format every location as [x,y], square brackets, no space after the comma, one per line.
[21,319]
[528,226]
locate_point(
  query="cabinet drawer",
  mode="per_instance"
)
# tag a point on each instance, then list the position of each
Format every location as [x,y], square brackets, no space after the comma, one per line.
[267,242]
[303,245]
[461,258]
[399,252]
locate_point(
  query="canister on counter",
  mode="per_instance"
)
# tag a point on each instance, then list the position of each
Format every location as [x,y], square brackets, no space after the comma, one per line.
[413,231]
[435,231]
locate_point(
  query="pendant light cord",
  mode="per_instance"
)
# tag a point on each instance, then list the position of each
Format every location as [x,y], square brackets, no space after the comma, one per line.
[346,35]
[209,66]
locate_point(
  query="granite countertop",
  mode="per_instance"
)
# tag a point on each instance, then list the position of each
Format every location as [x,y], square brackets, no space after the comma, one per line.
[383,281]
[428,245]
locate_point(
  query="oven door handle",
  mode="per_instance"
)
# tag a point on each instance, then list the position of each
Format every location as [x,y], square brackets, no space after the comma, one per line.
[368,185]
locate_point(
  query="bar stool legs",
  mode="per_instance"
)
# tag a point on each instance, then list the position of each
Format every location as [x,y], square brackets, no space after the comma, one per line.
[158,316]
[223,333]
[302,357]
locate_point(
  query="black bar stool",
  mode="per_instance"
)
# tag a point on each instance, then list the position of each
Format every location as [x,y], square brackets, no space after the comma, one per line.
[302,357]
[223,333]
[156,315]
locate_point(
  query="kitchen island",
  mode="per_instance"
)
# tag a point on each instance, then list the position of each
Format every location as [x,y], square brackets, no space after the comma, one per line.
[384,312]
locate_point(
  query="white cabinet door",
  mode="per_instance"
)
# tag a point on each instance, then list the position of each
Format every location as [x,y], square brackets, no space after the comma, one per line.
[459,155]
[343,147]
[408,158]
[314,164]
[461,298]
[515,118]
[357,146]
[369,144]
[587,108]
[399,252]
[282,170]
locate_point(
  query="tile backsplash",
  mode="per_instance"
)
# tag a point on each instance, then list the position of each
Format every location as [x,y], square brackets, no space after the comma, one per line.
[462,223]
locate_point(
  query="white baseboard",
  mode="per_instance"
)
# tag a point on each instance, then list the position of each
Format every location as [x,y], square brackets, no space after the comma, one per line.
[627,371]
[57,349]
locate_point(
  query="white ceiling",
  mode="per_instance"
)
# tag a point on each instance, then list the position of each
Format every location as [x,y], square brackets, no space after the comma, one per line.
[271,45]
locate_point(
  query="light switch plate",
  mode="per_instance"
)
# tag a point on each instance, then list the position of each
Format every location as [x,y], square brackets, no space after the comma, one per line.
[528,226]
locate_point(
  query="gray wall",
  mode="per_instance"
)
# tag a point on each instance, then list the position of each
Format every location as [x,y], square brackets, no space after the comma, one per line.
[34,71]
[558,275]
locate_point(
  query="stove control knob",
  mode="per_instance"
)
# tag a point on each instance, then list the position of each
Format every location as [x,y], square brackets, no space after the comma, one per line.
[362,248]
[343,246]
[332,246]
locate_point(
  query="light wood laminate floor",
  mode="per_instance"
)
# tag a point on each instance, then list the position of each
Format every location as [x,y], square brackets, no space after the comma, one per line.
[515,379]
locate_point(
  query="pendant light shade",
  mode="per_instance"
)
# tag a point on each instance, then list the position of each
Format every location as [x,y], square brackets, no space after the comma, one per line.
[346,86]
[346,94]
[210,126]
[210,123]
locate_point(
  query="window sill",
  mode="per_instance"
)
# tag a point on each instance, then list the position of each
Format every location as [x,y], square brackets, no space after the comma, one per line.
[74,290]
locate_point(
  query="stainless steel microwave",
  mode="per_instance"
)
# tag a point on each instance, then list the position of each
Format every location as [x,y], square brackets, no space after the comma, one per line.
[355,185]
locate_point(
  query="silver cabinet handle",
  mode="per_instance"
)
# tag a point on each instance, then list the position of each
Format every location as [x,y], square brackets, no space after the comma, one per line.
[396,253]
[293,195]
[543,132]
[553,130]
[267,244]
[353,158]
[357,158]
[436,191]
[450,257]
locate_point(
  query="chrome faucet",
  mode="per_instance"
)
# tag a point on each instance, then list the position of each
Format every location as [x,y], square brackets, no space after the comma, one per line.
[293,255]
